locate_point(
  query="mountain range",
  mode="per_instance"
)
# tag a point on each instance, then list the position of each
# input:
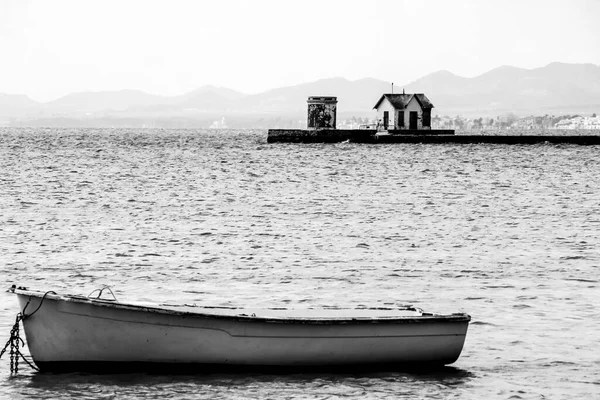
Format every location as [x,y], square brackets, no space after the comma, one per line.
[557,88]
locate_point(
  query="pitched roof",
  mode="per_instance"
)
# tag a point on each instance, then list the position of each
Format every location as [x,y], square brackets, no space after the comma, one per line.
[400,101]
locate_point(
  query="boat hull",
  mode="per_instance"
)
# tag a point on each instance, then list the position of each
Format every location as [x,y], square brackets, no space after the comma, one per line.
[69,333]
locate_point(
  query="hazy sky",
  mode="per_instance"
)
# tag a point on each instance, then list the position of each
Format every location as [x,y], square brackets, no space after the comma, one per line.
[51,48]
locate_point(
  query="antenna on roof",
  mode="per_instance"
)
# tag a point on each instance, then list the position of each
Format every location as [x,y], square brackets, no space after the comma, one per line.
[403,91]
[392,87]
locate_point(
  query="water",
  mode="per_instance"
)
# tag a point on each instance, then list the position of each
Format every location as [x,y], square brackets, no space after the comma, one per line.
[508,234]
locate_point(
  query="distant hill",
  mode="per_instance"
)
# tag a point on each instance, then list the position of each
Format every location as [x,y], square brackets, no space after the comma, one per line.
[208,98]
[554,89]
[17,105]
[136,101]
[353,96]
[90,102]
[557,88]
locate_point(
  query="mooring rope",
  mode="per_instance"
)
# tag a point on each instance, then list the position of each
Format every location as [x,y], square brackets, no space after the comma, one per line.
[15,340]
[105,287]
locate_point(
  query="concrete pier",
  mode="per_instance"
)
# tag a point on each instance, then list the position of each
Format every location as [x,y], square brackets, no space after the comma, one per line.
[423,136]
[320,135]
[483,139]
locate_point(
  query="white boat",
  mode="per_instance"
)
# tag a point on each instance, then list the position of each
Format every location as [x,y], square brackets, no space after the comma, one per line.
[79,333]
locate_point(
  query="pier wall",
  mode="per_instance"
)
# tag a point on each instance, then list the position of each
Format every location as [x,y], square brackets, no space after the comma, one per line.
[486,139]
[420,132]
[319,135]
[425,136]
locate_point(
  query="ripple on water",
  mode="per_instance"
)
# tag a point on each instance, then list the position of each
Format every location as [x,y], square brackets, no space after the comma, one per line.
[508,234]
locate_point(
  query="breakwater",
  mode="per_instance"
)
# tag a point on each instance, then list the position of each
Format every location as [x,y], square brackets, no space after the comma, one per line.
[476,139]
[319,136]
[341,135]
[431,136]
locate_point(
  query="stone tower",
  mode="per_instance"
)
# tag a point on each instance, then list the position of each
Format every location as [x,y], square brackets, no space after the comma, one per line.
[321,112]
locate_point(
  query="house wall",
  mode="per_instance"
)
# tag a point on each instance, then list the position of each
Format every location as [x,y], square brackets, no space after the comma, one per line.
[413,105]
[387,106]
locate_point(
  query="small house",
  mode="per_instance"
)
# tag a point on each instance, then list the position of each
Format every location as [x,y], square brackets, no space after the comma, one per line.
[404,111]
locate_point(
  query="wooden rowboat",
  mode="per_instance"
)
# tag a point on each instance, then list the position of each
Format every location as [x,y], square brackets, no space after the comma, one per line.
[78,333]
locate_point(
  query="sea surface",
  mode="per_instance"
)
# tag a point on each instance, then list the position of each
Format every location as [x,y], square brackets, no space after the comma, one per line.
[507,233]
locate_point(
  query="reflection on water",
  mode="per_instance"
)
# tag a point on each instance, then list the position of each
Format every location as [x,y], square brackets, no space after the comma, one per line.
[74,385]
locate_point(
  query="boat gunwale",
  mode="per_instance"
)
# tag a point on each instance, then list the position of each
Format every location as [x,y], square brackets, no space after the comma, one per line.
[103,303]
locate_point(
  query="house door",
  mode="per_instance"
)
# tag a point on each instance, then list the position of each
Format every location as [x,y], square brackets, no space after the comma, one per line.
[386,119]
[413,120]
